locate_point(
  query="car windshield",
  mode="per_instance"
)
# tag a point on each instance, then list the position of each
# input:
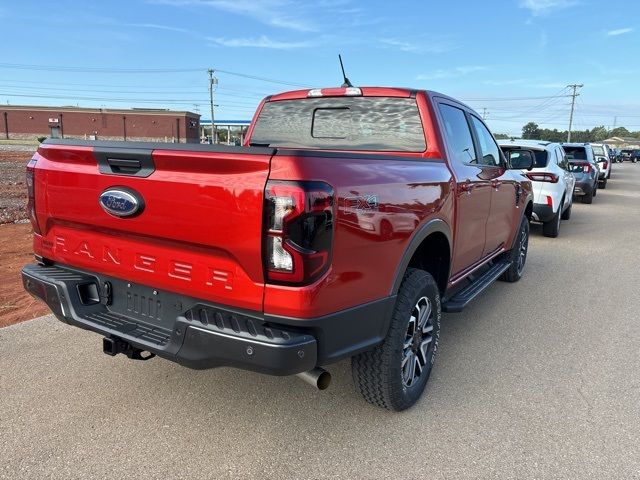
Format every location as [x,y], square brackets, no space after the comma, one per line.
[597,149]
[575,153]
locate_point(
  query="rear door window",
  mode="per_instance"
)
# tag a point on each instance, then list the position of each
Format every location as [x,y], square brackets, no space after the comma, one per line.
[458,134]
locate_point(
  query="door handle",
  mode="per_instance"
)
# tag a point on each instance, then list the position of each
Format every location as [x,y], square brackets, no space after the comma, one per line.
[465,186]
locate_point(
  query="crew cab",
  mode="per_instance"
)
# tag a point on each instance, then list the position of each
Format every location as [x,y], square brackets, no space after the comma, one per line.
[349,220]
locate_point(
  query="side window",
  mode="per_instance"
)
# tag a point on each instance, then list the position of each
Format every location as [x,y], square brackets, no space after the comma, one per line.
[562,161]
[458,134]
[490,150]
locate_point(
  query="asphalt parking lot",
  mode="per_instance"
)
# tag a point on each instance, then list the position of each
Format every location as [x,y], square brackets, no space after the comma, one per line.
[539,379]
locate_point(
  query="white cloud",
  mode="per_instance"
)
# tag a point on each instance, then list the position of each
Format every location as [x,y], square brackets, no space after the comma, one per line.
[619,31]
[451,73]
[423,46]
[276,13]
[260,42]
[156,26]
[543,7]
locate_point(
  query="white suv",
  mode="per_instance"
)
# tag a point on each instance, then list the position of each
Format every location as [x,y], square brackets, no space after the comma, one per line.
[601,153]
[552,182]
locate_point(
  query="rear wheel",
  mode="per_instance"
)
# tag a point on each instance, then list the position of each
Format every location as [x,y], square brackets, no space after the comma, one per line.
[587,198]
[552,227]
[603,184]
[517,256]
[394,374]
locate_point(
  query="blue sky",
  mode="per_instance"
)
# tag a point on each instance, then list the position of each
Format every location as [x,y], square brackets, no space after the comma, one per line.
[513,58]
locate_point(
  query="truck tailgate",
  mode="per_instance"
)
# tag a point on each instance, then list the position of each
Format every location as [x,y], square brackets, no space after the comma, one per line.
[199,231]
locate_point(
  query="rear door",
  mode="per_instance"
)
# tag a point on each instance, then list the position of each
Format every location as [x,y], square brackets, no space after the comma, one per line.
[198,227]
[473,190]
[502,213]
[569,179]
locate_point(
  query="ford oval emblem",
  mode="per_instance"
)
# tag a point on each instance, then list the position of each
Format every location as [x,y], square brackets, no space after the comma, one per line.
[121,202]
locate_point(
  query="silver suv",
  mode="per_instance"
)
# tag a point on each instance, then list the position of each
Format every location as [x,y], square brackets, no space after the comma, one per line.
[552,182]
[604,161]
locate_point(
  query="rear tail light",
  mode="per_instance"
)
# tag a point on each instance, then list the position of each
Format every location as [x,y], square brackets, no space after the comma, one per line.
[31,195]
[543,177]
[605,165]
[586,168]
[298,231]
[549,200]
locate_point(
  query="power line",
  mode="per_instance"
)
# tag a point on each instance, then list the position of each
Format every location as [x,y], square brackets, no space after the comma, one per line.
[59,68]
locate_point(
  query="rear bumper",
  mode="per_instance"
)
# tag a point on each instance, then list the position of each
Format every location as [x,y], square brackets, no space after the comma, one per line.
[583,188]
[542,212]
[202,335]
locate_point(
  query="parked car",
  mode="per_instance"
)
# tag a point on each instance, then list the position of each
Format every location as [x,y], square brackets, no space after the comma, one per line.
[604,163]
[214,256]
[552,181]
[630,155]
[614,153]
[584,169]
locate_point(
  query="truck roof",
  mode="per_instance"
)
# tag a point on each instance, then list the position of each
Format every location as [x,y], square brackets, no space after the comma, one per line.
[401,92]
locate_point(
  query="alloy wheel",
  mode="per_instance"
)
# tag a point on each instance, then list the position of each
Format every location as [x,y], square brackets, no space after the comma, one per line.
[523,244]
[418,343]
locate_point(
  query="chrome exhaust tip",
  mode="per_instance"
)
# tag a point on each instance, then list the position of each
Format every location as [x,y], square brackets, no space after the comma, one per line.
[318,377]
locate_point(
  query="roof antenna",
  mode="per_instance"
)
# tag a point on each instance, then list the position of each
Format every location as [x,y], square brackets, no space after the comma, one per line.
[347,82]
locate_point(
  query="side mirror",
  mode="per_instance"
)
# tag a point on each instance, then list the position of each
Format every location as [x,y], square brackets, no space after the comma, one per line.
[522,159]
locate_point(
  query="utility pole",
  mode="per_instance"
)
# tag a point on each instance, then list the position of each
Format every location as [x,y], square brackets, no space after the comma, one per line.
[484,113]
[213,83]
[575,86]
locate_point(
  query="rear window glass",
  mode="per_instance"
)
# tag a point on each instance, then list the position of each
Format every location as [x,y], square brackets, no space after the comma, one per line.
[342,123]
[597,149]
[541,158]
[575,153]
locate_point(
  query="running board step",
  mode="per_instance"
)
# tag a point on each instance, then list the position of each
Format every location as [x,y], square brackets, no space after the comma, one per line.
[475,288]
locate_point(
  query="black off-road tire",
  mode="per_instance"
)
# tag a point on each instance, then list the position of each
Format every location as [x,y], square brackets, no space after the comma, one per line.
[514,273]
[378,373]
[552,227]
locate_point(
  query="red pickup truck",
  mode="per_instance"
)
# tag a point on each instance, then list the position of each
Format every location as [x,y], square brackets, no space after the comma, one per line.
[342,228]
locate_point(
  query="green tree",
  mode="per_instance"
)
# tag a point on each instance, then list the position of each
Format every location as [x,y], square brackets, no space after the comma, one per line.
[502,136]
[599,134]
[620,132]
[531,131]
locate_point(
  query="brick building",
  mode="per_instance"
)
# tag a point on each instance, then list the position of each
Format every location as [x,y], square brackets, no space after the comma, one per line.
[27,122]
